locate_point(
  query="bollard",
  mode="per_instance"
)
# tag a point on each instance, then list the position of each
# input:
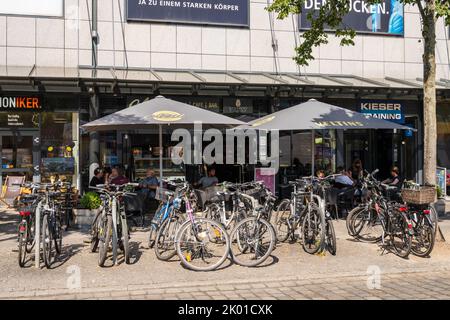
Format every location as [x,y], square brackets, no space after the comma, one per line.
[37,237]
[114,235]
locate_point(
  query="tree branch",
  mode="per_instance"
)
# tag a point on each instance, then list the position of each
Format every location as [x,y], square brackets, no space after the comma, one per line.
[421,9]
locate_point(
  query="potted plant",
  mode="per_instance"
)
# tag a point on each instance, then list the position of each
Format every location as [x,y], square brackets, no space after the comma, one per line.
[89,205]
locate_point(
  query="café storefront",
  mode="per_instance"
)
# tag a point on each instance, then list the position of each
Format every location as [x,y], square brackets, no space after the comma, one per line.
[138,150]
[43,140]
[39,137]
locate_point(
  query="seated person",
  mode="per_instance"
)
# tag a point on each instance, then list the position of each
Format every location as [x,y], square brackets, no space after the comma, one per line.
[343,180]
[208,181]
[394,180]
[97,178]
[117,177]
[149,184]
[320,174]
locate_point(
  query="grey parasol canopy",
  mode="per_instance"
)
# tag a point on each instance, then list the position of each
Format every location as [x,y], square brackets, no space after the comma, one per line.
[316,115]
[160,111]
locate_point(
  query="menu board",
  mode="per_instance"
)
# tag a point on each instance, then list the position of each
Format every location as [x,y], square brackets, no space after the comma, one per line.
[58,165]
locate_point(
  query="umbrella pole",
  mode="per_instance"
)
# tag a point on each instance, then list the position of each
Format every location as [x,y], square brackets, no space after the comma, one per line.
[160,158]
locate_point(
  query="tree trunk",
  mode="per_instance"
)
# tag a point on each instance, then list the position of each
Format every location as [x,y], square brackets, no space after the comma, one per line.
[429,92]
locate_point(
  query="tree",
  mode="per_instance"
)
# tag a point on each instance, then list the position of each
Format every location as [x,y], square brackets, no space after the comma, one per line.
[330,16]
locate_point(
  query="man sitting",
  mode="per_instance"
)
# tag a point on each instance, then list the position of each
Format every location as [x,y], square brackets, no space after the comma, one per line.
[149,184]
[343,180]
[208,181]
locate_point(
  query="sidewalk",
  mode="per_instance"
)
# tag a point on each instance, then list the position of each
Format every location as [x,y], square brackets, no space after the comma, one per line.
[147,277]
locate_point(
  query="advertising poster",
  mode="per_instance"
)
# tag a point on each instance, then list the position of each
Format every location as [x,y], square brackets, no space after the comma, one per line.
[267,176]
[383,18]
[216,12]
[441,175]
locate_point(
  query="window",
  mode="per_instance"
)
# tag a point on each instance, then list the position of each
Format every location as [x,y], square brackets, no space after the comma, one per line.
[50,8]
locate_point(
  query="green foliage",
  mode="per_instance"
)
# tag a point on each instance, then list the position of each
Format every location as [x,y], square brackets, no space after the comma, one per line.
[91,200]
[439,192]
[329,17]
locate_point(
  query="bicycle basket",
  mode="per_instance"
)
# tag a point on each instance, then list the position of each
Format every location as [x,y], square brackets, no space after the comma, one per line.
[422,195]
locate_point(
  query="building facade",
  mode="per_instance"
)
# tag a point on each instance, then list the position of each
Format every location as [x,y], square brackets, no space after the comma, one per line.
[83,59]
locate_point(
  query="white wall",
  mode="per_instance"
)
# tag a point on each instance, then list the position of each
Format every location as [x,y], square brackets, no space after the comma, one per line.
[65,42]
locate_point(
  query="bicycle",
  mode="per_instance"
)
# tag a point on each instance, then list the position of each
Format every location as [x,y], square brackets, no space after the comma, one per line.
[253,238]
[423,237]
[52,231]
[27,225]
[111,223]
[241,203]
[171,222]
[304,213]
[202,244]
[379,218]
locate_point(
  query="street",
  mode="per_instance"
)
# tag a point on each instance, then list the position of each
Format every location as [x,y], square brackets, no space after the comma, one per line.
[358,271]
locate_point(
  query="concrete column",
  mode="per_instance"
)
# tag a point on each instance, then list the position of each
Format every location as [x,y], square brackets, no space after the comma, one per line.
[340,150]
[94,143]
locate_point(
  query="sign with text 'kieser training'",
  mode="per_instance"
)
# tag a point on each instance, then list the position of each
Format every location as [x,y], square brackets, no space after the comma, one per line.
[216,12]
[385,110]
[383,18]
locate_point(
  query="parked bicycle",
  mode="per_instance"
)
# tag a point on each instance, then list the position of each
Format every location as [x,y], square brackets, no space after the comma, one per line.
[253,238]
[170,220]
[381,220]
[202,244]
[240,204]
[26,231]
[303,215]
[110,227]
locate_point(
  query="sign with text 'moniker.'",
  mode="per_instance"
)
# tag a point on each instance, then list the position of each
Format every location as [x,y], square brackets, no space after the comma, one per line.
[383,109]
[20,103]
[216,12]
[385,17]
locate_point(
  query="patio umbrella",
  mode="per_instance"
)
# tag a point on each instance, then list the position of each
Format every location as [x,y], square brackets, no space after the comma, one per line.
[160,111]
[315,115]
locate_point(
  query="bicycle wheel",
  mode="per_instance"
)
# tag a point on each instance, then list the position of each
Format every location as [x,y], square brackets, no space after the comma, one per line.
[400,235]
[125,238]
[31,240]
[104,237]
[165,239]
[313,229]
[350,220]
[23,239]
[47,241]
[280,220]
[422,242]
[252,241]
[330,238]
[58,234]
[367,226]
[96,225]
[202,245]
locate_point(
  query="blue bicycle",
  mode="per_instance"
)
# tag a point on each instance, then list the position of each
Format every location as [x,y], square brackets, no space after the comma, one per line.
[164,225]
